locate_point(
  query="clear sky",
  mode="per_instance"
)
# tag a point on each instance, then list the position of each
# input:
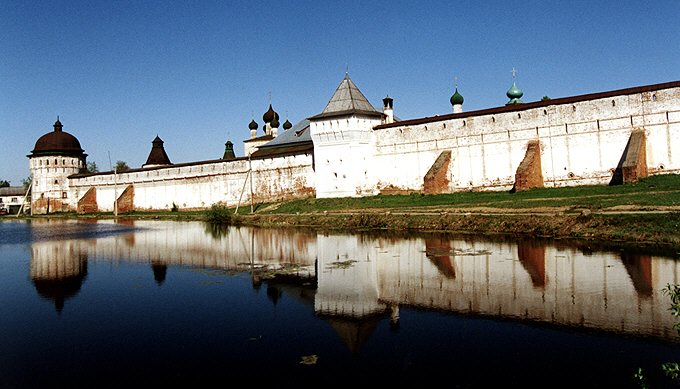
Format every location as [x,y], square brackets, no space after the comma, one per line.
[118,73]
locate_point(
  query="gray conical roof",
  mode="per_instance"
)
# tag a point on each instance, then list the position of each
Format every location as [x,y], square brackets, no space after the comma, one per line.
[348,100]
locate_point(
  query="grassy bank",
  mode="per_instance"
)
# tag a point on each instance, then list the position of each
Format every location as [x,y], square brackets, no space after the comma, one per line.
[646,212]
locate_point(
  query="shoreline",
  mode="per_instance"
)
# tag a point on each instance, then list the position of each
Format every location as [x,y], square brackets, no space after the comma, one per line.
[648,228]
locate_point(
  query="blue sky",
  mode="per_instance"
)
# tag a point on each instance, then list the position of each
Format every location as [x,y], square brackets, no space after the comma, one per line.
[195,73]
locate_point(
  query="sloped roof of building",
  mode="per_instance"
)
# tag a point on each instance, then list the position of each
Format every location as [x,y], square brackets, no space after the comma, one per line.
[259,138]
[299,133]
[13,191]
[348,100]
[295,140]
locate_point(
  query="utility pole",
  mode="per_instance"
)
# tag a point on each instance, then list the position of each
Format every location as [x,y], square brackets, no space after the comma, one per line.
[115,187]
[250,170]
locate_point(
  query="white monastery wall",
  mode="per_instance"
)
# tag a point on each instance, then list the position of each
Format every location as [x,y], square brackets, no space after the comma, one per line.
[198,186]
[581,142]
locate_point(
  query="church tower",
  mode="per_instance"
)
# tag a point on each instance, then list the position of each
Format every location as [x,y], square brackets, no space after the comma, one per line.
[56,156]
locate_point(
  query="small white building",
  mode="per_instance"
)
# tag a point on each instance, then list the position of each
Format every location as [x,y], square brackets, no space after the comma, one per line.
[11,199]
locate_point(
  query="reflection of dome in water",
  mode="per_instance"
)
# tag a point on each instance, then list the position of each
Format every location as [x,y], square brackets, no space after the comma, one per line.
[159,271]
[60,289]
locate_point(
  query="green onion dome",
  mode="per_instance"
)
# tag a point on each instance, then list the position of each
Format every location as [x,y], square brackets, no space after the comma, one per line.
[457,98]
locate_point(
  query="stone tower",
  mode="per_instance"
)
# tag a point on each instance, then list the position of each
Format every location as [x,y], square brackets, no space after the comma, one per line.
[55,157]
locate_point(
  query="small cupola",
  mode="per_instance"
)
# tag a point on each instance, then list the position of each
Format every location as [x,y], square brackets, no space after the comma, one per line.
[229,151]
[253,128]
[388,109]
[514,93]
[287,125]
[457,101]
[270,115]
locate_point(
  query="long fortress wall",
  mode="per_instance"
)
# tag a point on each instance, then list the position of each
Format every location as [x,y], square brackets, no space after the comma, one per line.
[196,185]
[582,141]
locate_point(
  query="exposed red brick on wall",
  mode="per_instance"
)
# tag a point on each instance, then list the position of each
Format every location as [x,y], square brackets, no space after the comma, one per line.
[437,179]
[635,162]
[126,201]
[88,203]
[529,174]
[47,205]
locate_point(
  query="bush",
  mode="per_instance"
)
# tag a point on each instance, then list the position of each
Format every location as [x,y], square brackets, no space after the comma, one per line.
[220,214]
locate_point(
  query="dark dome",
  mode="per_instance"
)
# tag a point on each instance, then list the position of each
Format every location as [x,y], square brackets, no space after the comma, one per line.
[287,125]
[275,123]
[270,115]
[57,142]
[253,125]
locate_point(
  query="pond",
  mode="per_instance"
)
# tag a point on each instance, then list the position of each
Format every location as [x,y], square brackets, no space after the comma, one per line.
[104,303]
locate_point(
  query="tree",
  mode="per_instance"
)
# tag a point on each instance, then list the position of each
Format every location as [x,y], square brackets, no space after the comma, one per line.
[92,167]
[4,184]
[27,181]
[121,166]
[545,98]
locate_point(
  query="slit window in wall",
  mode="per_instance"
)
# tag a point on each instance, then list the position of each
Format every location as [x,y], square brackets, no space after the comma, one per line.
[519,116]
[63,195]
[493,119]
[56,181]
[545,112]
[573,108]
[463,123]
[654,97]
[613,103]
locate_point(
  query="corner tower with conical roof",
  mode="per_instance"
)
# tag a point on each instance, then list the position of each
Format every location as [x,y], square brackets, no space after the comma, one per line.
[343,135]
[55,157]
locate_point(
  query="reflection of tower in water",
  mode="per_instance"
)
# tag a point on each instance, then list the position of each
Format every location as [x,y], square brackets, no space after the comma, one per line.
[58,270]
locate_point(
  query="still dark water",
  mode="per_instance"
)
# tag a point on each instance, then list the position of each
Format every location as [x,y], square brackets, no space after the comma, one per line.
[158,304]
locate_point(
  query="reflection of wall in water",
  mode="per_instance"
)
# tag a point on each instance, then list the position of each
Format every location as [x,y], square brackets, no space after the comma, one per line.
[563,286]
[358,276]
[58,270]
[196,245]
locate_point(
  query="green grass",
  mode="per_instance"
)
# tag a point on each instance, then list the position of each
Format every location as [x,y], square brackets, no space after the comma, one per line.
[660,190]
